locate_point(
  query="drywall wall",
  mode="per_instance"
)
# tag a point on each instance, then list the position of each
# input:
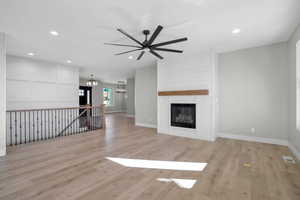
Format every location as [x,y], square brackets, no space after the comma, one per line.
[119,103]
[39,84]
[130,103]
[253,92]
[146,96]
[294,134]
[2,95]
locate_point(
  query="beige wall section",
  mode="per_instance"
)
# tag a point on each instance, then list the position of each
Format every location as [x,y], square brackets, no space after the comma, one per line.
[119,102]
[2,94]
[253,92]
[294,134]
[146,96]
[130,101]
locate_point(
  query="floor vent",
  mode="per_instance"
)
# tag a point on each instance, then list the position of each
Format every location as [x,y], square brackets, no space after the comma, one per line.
[289,159]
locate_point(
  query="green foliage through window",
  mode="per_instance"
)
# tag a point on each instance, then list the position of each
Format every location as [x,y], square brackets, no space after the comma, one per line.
[107,96]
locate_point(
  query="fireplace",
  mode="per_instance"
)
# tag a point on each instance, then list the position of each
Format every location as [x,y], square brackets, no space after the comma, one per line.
[183,115]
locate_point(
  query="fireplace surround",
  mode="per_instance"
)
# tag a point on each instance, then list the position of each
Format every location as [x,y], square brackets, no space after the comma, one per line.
[190,79]
[183,115]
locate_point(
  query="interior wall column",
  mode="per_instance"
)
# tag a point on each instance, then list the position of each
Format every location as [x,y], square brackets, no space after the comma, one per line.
[2,94]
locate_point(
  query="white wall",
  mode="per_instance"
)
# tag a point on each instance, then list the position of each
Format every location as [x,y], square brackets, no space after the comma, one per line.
[188,72]
[2,95]
[294,134]
[130,101]
[39,84]
[119,102]
[146,96]
[253,92]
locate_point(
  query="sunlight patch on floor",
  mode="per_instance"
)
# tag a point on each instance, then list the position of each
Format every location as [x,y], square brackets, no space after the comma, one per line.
[158,164]
[182,183]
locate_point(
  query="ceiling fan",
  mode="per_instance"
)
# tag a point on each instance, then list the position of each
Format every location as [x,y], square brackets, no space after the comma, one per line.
[148,44]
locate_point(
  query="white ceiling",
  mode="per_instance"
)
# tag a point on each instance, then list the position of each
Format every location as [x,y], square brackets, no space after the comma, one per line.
[85,25]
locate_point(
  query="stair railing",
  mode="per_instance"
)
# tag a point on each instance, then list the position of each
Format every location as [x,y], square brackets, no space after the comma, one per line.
[26,126]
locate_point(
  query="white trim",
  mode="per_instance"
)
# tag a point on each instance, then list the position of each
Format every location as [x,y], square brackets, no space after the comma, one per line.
[114,111]
[132,116]
[187,135]
[294,151]
[2,153]
[146,125]
[41,82]
[3,94]
[254,139]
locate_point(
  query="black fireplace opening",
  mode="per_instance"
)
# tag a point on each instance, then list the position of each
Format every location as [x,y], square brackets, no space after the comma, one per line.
[183,115]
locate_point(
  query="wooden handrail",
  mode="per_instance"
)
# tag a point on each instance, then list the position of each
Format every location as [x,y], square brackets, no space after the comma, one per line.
[63,108]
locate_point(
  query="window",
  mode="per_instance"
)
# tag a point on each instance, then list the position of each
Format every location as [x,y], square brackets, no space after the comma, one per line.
[298,84]
[107,96]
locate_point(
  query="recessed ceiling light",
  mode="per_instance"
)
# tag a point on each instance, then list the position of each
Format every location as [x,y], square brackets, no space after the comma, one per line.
[236,31]
[54,33]
[130,57]
[69,61]
[30,54]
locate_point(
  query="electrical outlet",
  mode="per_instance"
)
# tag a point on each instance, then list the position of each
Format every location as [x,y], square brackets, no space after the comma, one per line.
[253,130]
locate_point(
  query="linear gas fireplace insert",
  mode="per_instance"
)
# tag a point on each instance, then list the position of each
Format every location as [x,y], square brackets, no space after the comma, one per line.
[183,115]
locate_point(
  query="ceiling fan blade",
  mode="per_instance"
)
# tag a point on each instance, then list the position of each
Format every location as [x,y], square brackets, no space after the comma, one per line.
[169,42]
[122,45]
[156,54]
[155,34]
[127,52]
[169,50]
[129,36]
[141,55]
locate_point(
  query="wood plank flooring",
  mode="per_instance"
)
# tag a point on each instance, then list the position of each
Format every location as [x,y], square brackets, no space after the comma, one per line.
[75,167]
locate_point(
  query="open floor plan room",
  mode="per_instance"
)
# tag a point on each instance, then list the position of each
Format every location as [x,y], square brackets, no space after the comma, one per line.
[90,166]
[150,100]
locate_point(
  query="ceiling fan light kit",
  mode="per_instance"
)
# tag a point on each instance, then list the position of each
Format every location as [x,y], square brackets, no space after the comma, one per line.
[147,45]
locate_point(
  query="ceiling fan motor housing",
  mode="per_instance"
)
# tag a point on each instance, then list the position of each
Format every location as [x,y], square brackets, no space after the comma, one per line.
[146,32]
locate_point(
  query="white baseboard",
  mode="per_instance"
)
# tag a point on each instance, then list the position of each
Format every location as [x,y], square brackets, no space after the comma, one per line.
[132,116]
[294,151]
[191,136]
[114,111]
[2,152]
[254,139]
[146,125]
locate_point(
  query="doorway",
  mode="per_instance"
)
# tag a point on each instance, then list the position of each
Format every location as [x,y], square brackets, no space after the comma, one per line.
[85,97]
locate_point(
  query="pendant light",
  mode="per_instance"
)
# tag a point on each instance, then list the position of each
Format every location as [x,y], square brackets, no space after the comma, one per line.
[92,82]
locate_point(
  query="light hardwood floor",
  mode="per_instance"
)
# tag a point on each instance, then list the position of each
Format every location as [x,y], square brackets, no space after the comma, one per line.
[75,167]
